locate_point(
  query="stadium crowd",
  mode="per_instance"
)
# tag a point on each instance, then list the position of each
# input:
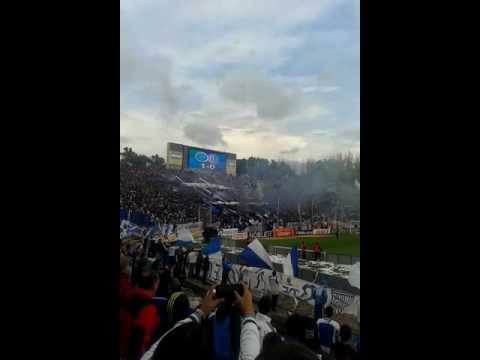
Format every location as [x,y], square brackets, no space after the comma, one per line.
[161,194]
[157,320]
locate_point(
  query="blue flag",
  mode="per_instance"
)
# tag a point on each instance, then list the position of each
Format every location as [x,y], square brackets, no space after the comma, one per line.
[212,247]
[290,266]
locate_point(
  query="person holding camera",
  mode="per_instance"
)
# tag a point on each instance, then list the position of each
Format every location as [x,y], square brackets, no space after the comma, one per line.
[192,338]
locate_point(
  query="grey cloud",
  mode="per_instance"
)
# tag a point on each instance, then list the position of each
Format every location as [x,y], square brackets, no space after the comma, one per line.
[350,134]
[124,140]
[291,151]
[248,87]
[146,80]
[204,134]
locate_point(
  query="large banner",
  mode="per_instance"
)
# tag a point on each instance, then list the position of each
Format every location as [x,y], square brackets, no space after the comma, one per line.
[258,281]
[278,232]
[321,231]
[229,232]
[240,236]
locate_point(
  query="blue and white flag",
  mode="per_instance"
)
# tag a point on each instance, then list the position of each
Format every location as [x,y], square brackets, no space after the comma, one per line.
[151,232]
[128,229]
[290,266]
[255,255]
[184,238]
[354,276]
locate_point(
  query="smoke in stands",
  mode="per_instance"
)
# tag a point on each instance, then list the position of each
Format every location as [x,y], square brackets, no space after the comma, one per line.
[268,191]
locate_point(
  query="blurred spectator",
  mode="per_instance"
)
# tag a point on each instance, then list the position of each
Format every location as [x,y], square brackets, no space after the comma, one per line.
[274,289]
[191,339]
[344,349]
[303,330]
[125,285]
[320,298]
[277,348]
[172,260]
[316,251]
[264,322]
[327,331]
[227,267]
[139,319]
[192,261]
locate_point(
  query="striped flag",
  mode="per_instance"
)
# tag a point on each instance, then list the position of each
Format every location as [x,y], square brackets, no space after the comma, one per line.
[255,255]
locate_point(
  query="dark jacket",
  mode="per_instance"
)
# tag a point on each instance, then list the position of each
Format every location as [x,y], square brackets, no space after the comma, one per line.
[195,341]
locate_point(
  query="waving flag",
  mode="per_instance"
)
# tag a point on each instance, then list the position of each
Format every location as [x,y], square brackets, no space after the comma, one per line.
[128,229]
[212,247]
[255,255]
[290,266]
[184,238]
[354,276]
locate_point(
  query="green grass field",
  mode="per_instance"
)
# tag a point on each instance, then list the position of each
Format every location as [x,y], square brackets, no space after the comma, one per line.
[348,244]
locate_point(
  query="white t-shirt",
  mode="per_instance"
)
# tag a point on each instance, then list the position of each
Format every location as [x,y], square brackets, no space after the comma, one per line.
[335,325]
[192,257]
[274,286]
[264,324]
[171,250]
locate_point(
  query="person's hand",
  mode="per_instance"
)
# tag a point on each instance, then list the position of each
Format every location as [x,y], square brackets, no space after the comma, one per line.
[209,303]
[245,302]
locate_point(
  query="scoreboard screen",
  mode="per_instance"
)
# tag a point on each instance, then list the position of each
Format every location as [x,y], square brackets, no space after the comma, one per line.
[204,159]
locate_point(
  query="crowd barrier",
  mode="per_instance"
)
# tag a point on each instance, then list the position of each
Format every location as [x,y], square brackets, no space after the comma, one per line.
[259,281]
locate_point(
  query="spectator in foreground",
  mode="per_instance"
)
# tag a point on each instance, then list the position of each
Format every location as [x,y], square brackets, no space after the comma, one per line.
[264,322]
[192,262]
[327,331]
[274,289]
[139,319]
[344,348]
[125,285]
[178,308]
[172,257]
[302,329]
[320,297]
[276,347]
[186,339]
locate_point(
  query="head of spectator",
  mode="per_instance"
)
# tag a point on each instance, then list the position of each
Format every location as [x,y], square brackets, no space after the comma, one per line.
[329,312]
[345,333]
[124,265]
[283,350]
[176,285]
[209,233]
[265,305]
[178,307]
[149,280]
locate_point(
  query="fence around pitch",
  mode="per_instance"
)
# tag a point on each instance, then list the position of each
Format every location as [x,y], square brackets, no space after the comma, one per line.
[337,259]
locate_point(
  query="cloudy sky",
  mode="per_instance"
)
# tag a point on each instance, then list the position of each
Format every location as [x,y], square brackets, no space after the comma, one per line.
[273,78]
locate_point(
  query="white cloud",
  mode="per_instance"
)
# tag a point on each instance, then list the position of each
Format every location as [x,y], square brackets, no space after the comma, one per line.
[204,134]
[251,74]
